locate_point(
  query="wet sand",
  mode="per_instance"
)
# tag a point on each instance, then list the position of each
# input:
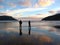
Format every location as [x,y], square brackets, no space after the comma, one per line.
[40,35]
[16,39]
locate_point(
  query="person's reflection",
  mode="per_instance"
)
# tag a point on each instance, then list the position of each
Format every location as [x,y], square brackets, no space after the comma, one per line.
[29,23]
[20,27]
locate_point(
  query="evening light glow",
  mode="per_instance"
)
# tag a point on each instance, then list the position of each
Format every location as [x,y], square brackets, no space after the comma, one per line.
[26,8]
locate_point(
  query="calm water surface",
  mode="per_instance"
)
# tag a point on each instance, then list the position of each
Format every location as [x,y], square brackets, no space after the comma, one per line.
[38,28]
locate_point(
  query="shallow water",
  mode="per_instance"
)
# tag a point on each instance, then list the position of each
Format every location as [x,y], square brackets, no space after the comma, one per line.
[43,28]
[36,27]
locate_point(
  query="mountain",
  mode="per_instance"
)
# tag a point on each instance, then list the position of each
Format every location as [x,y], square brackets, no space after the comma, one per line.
[55,17]
[57,27]
[3,18]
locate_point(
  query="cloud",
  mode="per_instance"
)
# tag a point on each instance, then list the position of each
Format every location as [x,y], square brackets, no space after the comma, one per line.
[58,11]
[19,11]
[1,0]
[36,6]
[52,12]
[11,4]
[1,6]
[39,3]
[40,16]
[26,3]
[2,13]
[27,10]
[29,3]
[44,3]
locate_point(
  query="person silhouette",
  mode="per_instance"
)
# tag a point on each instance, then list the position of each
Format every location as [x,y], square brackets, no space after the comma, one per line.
[20,27]
[29,23]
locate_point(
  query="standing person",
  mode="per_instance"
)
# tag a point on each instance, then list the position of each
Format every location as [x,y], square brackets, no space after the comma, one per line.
[29,23]
[20,27]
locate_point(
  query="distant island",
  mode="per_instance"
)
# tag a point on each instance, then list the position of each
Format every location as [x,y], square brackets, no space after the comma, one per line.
[3,18]
[55,17]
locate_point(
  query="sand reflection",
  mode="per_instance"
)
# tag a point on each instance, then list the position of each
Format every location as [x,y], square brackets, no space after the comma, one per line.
[25,40]
[46,39]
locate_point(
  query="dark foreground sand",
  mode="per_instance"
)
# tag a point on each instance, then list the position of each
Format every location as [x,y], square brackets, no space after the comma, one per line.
[16,39]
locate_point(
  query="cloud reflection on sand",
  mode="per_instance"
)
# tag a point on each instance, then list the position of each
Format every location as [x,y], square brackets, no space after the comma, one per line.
[12,30]
[40,34]
[25,39]
[45,39]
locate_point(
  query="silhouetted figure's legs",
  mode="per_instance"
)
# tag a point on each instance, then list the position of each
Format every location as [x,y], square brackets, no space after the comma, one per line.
[20,28]
[29,27]
[29,30]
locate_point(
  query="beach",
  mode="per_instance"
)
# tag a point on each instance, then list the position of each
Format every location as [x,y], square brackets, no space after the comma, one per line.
[42,33]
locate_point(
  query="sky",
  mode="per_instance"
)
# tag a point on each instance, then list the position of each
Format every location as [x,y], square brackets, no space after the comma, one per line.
[29,8]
